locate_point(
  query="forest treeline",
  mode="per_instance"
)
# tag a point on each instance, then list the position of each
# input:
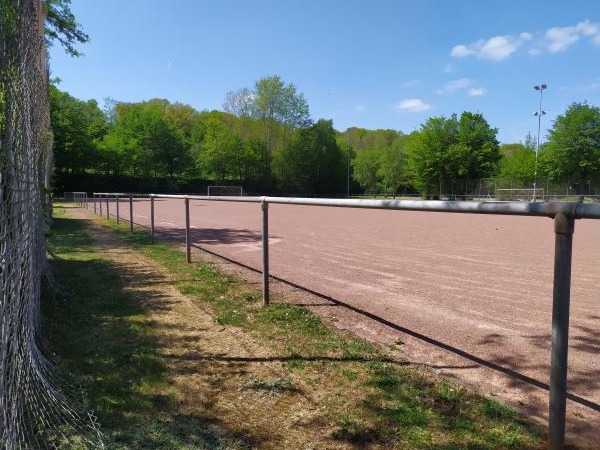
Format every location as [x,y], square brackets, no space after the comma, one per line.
[265,141]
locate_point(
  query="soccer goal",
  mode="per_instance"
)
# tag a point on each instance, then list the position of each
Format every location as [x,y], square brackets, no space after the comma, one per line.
[225,191]
[524,195]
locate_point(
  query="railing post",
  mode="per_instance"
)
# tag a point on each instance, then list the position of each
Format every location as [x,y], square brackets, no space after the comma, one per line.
[117,198]
[100,203]
[107,208]
[564,225]
[188,244]
[265,247]
[131,213]
[152,215]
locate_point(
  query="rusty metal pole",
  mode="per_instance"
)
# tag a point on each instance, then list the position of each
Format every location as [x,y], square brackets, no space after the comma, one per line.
[100,202]
[265,246]
[131,213]
[152,215]
[117,199]
[564,226]
[94,198]
[188,244]
[107,208]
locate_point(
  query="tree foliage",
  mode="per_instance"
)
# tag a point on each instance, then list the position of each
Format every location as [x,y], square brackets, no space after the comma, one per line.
[314,163]
[446,151]
[518,164]
[62,26]
[572,152]
[78,127]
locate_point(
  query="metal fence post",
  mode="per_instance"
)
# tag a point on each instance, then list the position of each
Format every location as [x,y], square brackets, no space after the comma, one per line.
[100,202]
[117,199]
[188,244]
[265,246]
[107,208]
[131,213]
[152,215]
[94,200]
[564,225]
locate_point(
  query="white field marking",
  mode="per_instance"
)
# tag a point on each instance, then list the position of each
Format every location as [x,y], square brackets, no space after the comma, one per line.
[252,246]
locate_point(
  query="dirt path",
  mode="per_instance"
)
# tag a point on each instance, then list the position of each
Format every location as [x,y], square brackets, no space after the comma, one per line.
[214,368]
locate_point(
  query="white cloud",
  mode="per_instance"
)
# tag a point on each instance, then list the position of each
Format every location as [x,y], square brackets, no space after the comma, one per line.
[476,92]
[460,51]
[495,48]
[559,39]
[553,40]
[456,85]
[448,68]
[413,105]
[526,36]
[462,84]
[412,83]
[499,48]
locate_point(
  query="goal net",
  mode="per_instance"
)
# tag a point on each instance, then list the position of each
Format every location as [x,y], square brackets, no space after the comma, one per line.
[523,195]
[225,191]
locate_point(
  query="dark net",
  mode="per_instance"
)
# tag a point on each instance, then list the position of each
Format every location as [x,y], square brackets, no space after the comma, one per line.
[38,408]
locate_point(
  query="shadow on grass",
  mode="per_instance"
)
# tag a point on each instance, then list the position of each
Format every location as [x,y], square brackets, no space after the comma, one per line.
[101,336]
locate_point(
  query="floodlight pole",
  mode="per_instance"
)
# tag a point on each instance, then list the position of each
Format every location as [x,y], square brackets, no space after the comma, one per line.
[539,115]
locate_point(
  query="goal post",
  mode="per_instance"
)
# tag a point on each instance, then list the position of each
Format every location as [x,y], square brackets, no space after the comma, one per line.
[523,194]
[224,191]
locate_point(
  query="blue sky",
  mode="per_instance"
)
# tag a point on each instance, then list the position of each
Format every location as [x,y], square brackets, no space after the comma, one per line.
[372,64]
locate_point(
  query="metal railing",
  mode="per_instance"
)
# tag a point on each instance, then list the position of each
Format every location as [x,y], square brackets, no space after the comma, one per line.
[563,213]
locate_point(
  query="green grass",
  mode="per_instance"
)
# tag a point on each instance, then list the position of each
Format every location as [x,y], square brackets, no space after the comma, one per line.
[103,337]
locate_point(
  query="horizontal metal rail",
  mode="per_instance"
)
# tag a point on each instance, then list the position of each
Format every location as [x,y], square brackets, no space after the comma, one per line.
[563,213]
[541,209]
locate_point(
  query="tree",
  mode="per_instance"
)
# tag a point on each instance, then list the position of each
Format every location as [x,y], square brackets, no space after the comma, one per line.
[428,153]
[315,163]
[220,156]
[239,103]
[366,167]
[279,106]
[77,127]
[393,170]
[146,138]
[518,164]
[572,152]
[62,26]
[446,153]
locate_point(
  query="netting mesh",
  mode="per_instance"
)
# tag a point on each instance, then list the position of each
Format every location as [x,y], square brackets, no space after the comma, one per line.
[37,408]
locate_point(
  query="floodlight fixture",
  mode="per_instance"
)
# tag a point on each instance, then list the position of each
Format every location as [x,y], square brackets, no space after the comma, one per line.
[539,115]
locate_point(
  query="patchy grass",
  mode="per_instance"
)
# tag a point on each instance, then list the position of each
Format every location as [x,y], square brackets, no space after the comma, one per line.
[364,399]
[103,338]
